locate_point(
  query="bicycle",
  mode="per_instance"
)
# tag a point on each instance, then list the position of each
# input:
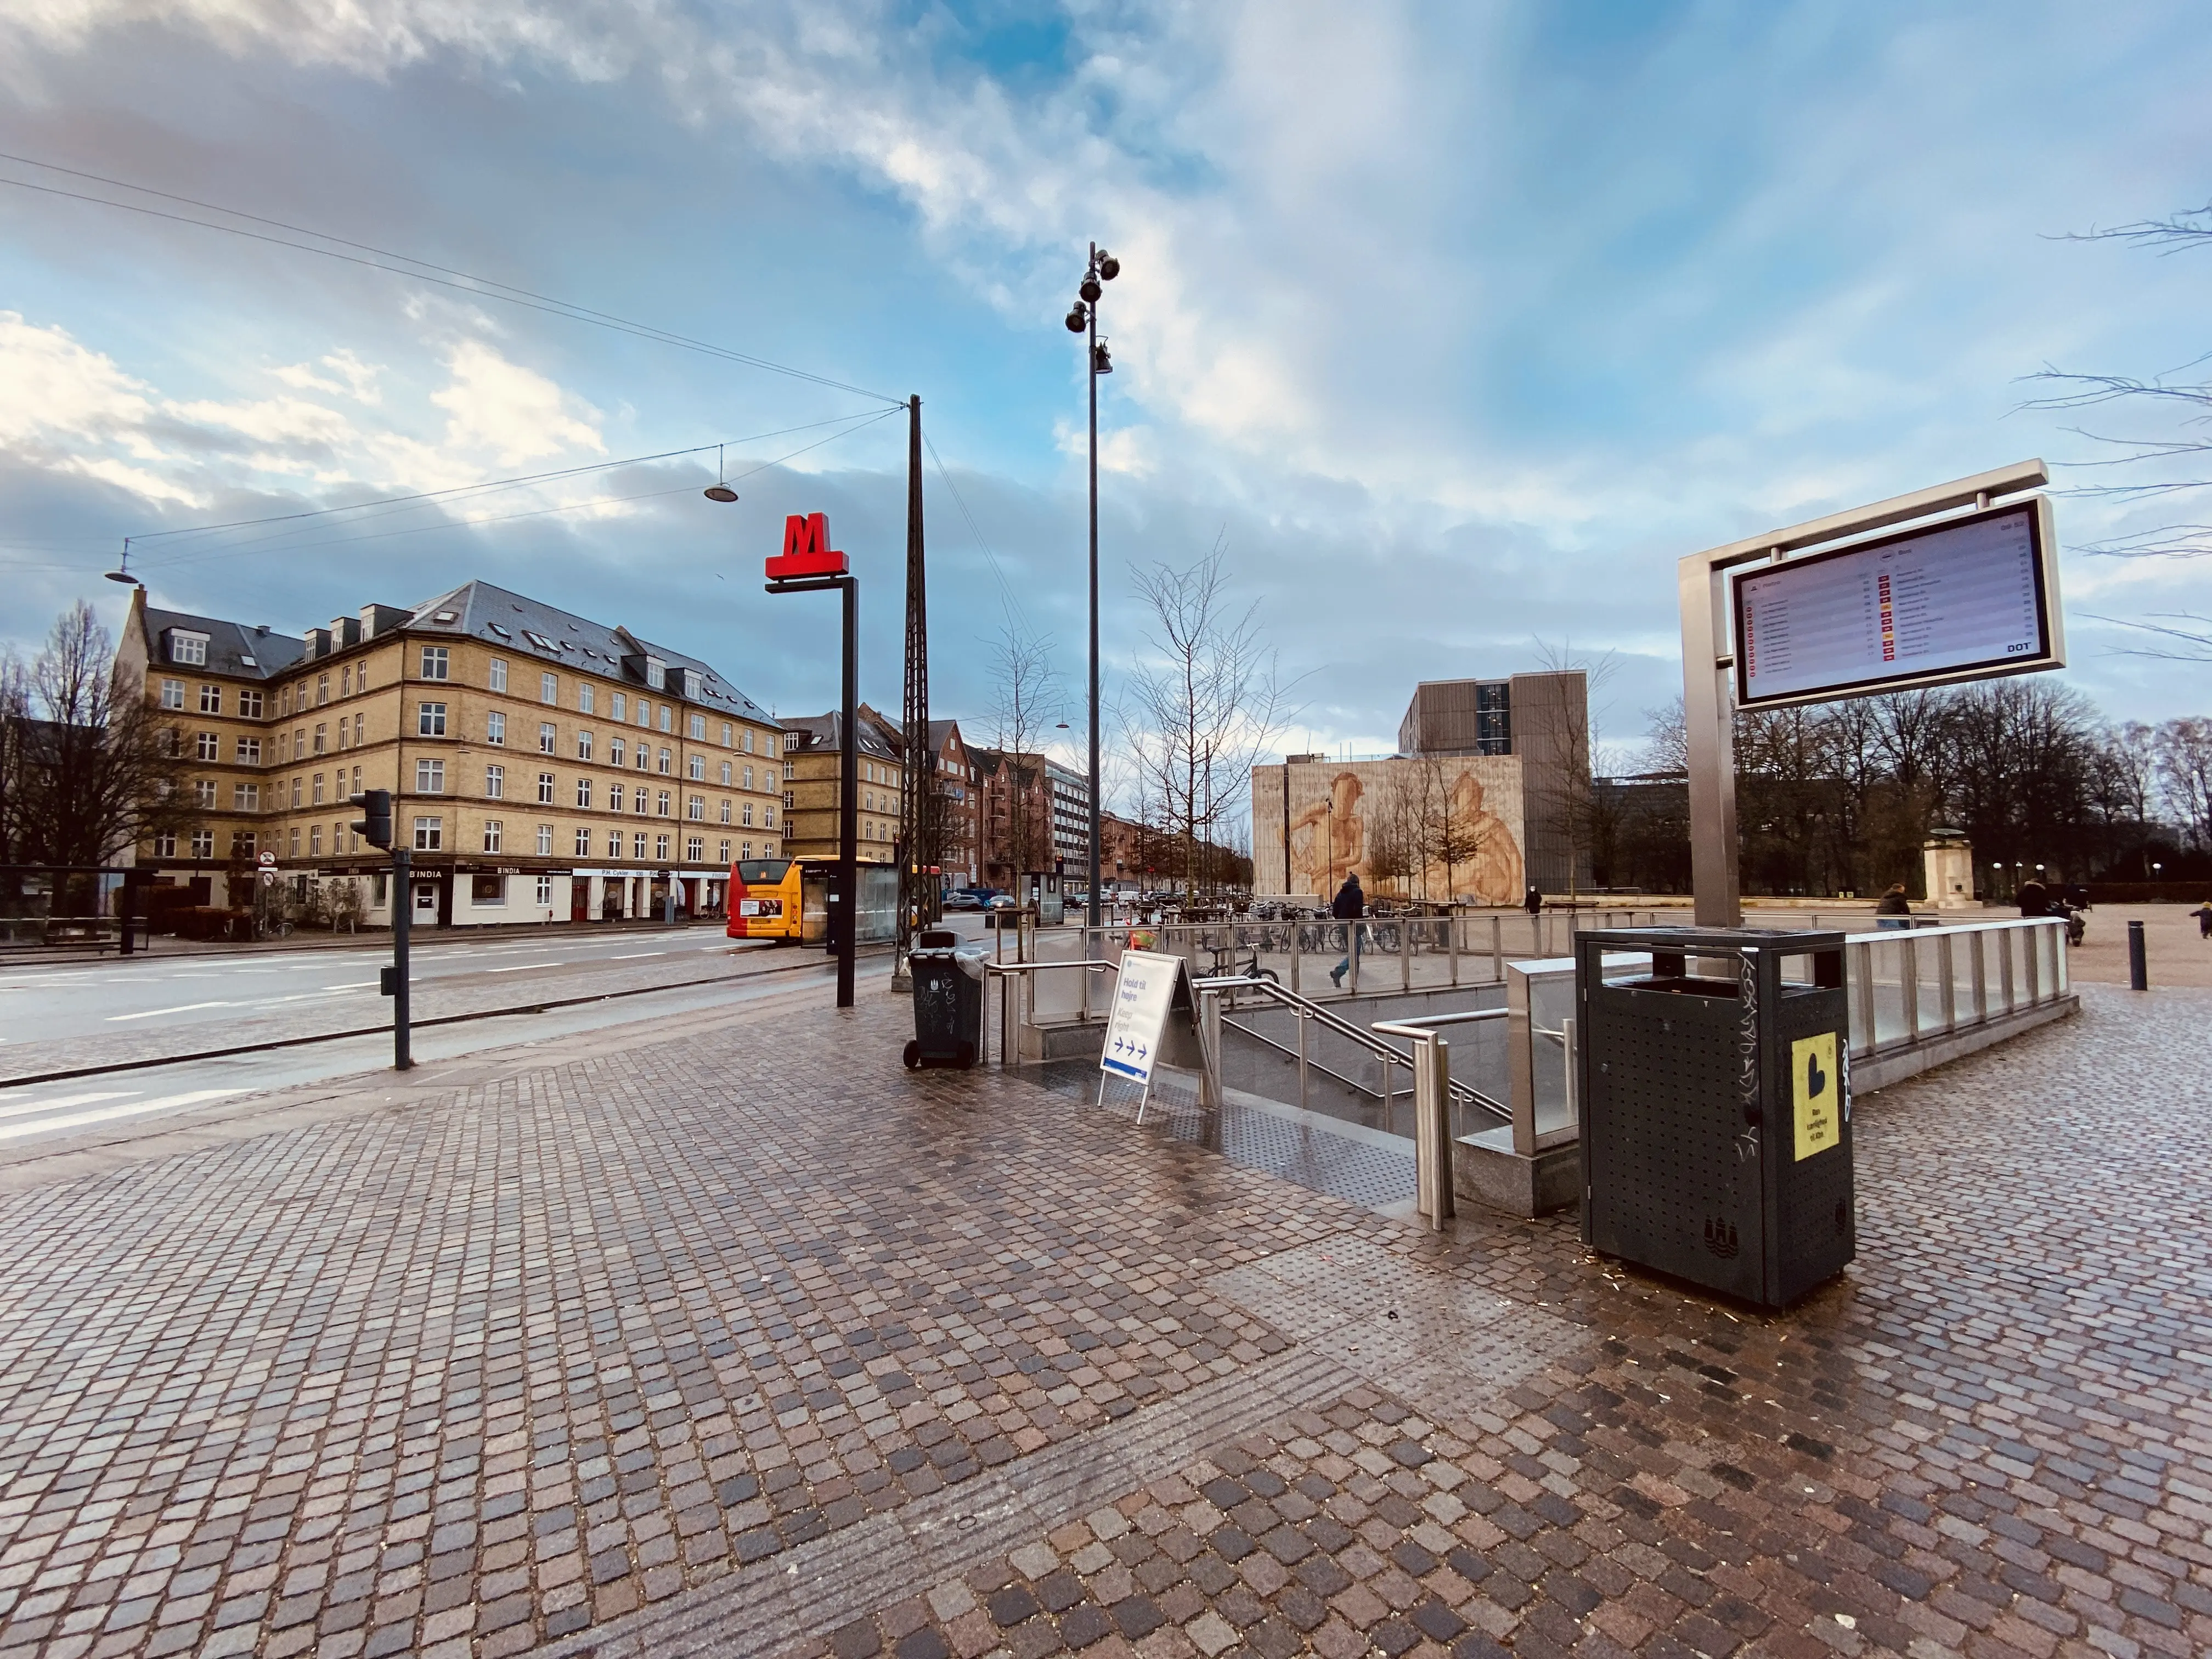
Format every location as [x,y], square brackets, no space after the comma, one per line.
[1231,967]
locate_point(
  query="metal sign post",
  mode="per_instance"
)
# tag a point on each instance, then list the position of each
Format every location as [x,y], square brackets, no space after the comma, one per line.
[1710,665]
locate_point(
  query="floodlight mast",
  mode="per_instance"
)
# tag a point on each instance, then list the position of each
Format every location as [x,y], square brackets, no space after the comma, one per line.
[1708,662]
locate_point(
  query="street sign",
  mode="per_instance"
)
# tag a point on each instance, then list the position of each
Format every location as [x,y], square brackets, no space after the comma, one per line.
[806,550]
[1143,994]
[269,861]
[1964,599]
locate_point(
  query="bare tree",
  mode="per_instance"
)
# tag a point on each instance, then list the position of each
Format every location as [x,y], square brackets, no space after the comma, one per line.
[1569,798]
[1027,699]
[1396,832]
[92,770]
[1204,704]
[2184,768]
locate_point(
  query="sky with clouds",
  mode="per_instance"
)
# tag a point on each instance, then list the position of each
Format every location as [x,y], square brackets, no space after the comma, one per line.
[1455,325]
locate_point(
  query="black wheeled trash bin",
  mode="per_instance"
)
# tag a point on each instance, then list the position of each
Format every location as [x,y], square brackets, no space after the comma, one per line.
[948,1001]
[1715,1089]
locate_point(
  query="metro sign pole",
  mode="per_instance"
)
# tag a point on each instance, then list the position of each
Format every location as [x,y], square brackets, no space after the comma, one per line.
[807,565]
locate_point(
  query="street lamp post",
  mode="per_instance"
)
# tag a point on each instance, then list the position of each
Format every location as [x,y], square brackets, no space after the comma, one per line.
[1104,268]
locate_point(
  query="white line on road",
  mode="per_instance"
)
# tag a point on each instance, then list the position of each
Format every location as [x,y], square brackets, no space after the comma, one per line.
[638,955]
[19,1108]
[352,985]
[150,1013]
[521,967]
[9,1131]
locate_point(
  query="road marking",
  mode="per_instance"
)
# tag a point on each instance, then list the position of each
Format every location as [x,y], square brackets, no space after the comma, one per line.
[521,967]
[150,1013]
[101,1114]
[354,985]
[18,1108]
[638,955]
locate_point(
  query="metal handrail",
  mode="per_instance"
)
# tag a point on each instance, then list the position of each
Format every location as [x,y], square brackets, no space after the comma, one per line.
[1285,1049]
[1009,969]
[1308,1009]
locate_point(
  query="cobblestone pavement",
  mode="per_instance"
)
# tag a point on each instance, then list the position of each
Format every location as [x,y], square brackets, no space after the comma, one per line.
[677,1349]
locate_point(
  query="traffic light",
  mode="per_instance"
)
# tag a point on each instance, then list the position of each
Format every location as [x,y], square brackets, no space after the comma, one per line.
[374,826]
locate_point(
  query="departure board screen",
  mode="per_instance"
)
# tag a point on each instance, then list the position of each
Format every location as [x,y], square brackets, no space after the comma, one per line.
[1969,598]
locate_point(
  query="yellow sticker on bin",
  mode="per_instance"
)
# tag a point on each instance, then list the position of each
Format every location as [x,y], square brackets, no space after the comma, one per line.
[1815,1088]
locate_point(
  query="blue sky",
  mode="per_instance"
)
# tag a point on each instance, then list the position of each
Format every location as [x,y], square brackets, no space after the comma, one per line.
[1458,322]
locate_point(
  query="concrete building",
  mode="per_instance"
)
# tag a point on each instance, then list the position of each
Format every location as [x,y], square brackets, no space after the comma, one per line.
[1490,791]
[959,805]
[543,767]
[1035,814]
[813,750]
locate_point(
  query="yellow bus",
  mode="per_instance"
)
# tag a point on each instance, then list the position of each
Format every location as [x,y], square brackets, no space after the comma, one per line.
[789,899]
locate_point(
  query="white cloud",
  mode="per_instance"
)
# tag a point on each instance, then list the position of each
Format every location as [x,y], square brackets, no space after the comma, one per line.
[52,386]
[512,413]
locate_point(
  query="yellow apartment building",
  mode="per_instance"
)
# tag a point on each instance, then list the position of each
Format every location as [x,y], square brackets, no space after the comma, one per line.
[812,750]
[542,767]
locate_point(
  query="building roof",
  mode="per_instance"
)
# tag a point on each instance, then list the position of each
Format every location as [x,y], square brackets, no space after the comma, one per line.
[821,734]
[479,610]
[238,650]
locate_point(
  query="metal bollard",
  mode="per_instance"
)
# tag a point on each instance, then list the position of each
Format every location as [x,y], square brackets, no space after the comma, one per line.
[2138,960]
[1432,1141]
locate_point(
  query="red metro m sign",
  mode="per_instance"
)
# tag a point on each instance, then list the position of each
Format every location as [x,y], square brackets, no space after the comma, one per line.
[806,550]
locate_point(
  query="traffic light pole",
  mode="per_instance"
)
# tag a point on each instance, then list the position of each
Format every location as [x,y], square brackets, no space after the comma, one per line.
[403,907]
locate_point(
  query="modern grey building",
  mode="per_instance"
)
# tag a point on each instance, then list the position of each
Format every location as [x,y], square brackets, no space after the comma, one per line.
[1543,720]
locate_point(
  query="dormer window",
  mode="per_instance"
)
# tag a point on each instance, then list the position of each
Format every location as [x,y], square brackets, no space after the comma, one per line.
[445,616]
[187,648]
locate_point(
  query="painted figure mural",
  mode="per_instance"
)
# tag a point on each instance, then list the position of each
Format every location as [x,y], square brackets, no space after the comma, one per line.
[1343,817]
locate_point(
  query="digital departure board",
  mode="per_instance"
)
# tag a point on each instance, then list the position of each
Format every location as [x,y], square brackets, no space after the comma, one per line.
[1969,598]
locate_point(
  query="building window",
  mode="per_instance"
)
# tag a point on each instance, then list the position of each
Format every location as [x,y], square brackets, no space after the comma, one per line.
[345,681]
[203,792]
[637,846]
[667,762]
[662,803]
[208,746]
[430,719]
[660,848]
[748,778]
[748,817]
[791,742]
[429,777]
[694,850]
[498,674]
[173,694]
[190,649]
[429,835]
[667,718]
[249,705]
[614,797]
[490,890]
[203,843]
[495,730]
[698,768]
[315,840]
[165,846]
[695,807]
[614,751]
[549,687]
[729,735]
[583,844]
[745,851]
[786,801]
[245,797]
[242,843]
[644,757]
[725,845]
[767,818]
[548,737]
[494,783]
[619,707]
[545,892]
[644,712]
[545,788]
[614,842]
[584,794]
[749,741]
[725,810]
[210,700]
[318,799]
[322,736]
[435,663]
[585,698]
[322,689]
[726,775]
[698,728]
[637,801]
[492,829]
[583,745]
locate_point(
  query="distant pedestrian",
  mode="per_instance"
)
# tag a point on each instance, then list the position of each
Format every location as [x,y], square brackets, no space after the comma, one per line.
[1349,905]
[1531,901]
[2034,899]
[2203,914]
[1893,909]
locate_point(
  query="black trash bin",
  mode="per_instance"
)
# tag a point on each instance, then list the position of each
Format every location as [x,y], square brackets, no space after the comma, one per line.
[948,1001]
[1715,1094]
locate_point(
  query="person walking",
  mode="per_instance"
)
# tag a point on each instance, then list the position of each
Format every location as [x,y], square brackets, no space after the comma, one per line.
[2203,914]
[1531,901]
[1893,909]
[1349,905]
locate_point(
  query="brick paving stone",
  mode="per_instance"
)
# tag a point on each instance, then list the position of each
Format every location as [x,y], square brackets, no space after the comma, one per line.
[610,1355]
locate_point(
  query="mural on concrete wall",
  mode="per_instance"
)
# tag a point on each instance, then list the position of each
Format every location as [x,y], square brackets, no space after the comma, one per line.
[1444,828]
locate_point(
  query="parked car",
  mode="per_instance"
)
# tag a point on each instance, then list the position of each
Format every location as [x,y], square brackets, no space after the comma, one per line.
[962,901]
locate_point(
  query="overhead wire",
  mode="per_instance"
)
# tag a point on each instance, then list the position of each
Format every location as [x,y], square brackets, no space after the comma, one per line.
[508,518]
[422,270]
[1006,596]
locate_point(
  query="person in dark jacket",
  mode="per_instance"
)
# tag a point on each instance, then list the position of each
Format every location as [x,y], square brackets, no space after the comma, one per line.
[1349,905]
[2203,914]
[1531,901]
[1893,909]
